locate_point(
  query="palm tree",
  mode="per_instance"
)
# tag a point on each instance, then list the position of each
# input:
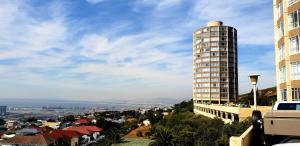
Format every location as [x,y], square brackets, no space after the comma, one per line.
[164,137]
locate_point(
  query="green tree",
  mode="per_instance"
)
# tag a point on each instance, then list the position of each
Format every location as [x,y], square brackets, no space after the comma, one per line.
[2,121]
[164,137]
[184,106]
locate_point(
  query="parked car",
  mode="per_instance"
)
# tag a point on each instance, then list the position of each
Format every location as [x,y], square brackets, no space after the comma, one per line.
[287,105]
[280,123]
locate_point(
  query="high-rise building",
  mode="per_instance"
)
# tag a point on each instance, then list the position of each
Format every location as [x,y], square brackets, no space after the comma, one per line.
[215,69]
[287,49]
[3,110]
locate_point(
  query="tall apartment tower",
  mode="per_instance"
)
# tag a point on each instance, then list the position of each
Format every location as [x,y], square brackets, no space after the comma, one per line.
[215,69]
[287,49]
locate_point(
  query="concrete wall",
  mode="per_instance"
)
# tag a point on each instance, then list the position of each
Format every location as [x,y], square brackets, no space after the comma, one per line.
[247,112]
[239,114]
[243,140]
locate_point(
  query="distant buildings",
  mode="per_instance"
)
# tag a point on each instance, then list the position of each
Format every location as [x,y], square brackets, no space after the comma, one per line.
[287,49]
[215,75]
[3,110]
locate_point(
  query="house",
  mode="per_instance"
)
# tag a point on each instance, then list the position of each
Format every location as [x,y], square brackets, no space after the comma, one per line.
[45,129]
[83,121]
[65,137]
[85,138]
[27,131]
[7,136]
[53,125]
[146,122]
[95,131]
[11,125]
[89,133]
[39,140]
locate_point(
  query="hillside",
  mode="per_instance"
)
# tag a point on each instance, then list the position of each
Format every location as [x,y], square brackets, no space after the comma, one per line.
[265,97]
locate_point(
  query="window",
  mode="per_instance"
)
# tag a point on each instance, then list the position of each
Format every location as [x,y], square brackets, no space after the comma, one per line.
[223,79]
[288,106]
[214,49]
[204,59]
[205,69]
[296,94]
[214,74]
[293,19]
[294,45]
[214,54]
[290,2]
[223,49]
[282,76]
[214,90]
[214,33]
[214,29]
[214,69]
[214,39]
[215,79]
[295,70]
[283,95]
[214,43]
[279,9]
[205,55]
[215,85]
[281,29]
[215,95]
[215,59]
[206,40]
[215,64]
[281,53]
[223,53]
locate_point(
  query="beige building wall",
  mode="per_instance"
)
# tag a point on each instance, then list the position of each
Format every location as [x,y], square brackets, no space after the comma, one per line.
[215,77]
[288,88]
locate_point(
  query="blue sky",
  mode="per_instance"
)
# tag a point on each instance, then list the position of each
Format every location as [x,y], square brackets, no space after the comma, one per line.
[136,50]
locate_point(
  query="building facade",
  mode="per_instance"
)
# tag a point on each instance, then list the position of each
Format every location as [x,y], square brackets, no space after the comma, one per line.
[215,69]
[287,49]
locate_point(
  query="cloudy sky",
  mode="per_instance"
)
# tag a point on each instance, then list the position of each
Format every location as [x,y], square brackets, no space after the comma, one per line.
[122,49]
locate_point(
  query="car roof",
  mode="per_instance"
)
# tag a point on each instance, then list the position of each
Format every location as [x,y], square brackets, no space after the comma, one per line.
[278,102]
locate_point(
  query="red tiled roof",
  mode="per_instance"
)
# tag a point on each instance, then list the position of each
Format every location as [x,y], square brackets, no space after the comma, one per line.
[36,140]
[80,130]
[63,134]
[92,128]
[83,121]
[42,129]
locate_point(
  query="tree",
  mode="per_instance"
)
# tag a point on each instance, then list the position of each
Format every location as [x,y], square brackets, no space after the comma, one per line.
[164,137]
[69,118]
[139,134]
[31,119]
[184,106]
[2,121]
[153,116]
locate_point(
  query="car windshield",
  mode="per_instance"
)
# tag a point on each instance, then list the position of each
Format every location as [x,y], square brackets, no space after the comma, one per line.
[289,106]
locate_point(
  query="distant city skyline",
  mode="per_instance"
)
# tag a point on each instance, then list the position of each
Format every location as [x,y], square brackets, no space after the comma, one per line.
[122,50]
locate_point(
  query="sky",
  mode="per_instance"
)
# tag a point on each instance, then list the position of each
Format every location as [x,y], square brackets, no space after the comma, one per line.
[117,50]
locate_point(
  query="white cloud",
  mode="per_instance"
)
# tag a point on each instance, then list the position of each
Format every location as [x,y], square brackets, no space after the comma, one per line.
[251,18]
[153,61]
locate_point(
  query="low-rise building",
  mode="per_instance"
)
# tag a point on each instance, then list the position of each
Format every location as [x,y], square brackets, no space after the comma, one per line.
[65,137]
[53,125]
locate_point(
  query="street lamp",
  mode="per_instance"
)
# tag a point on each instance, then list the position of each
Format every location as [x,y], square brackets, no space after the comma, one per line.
[253,79]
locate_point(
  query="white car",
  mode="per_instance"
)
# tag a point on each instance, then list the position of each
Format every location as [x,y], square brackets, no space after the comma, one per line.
[287,105]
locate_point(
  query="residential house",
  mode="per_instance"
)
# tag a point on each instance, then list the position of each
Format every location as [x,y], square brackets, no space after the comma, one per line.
[65,137]
[38,140]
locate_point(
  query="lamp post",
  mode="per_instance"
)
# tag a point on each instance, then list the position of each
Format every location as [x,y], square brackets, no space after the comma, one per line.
[253,79]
